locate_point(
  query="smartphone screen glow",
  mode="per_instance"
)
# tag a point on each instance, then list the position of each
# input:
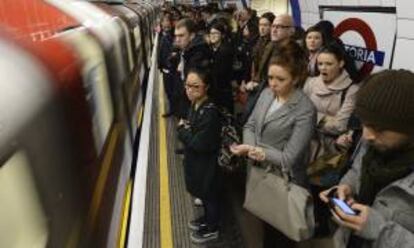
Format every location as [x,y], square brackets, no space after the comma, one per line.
[343,206]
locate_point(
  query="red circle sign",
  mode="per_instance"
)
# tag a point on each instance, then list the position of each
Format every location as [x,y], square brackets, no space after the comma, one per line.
[361,27]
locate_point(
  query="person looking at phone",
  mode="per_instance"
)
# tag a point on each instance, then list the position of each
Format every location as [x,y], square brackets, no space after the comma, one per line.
[379,187]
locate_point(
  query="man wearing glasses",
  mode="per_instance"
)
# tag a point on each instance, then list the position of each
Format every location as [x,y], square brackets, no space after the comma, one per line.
[282,29]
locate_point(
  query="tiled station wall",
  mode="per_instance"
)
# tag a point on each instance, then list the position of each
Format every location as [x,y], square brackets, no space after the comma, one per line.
[403,58]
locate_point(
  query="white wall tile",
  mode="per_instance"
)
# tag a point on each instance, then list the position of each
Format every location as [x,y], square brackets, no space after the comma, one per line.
[306,25]
[371,3]
[324,2]
[304,6]
[405,28]
[314,18]
[313,6]
[305,17]
[350,2]
[335,2]
[405,8]
[388,3]
[402,58]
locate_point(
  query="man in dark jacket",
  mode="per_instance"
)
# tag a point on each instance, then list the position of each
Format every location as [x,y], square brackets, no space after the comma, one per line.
[166,63]
[194,53]
[380,185]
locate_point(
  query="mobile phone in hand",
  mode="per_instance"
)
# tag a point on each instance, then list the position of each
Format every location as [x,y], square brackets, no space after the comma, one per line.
[343,206]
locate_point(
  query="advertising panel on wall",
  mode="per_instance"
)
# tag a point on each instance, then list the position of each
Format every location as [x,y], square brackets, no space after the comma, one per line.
[368,35]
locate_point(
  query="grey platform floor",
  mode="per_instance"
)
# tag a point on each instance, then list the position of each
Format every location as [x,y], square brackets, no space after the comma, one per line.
[182,208]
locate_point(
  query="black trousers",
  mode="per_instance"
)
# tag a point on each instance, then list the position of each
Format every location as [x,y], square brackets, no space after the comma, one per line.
[275,239]
[224,98]
[212,212]
[183,104]
[169,87]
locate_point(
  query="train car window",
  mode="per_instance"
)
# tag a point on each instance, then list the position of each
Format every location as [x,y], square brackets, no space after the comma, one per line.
[23,222]
[96,83]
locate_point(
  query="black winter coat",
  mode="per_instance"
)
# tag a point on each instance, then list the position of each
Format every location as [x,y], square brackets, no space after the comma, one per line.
[201,146]
[221,68]
[165,50]
[197,54]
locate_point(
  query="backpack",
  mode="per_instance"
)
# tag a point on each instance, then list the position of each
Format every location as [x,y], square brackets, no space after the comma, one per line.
[230,134]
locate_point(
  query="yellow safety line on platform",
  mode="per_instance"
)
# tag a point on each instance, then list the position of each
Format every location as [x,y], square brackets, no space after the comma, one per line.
[165,206]
[125,214]
[139,116]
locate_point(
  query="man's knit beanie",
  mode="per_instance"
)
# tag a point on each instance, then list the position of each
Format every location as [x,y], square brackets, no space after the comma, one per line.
[386,101]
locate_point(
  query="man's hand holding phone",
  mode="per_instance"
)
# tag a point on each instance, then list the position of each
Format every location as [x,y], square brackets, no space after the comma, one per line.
[343,208]
[342,191]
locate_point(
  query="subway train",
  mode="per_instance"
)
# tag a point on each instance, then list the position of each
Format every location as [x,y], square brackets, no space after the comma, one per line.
[73,78]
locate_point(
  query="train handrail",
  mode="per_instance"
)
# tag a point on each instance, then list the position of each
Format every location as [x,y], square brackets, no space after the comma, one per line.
[136,226]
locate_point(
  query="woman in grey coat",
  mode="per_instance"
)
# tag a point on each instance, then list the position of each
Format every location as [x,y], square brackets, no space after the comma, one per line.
[280,127]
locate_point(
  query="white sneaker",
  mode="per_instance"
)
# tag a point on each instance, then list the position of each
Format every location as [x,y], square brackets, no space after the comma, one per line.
[205,234]
[198,202]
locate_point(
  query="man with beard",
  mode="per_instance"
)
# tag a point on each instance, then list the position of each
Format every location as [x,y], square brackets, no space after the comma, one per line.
[379,187]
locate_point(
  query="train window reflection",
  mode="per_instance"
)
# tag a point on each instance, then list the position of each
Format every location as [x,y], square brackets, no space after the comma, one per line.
[23,222]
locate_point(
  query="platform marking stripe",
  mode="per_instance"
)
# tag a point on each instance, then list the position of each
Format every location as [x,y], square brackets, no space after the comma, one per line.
[125,214]
[165,205]
[139,116]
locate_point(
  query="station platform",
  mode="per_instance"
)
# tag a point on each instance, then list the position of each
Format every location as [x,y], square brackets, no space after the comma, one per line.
[160,205]
[168,207]
[181,209]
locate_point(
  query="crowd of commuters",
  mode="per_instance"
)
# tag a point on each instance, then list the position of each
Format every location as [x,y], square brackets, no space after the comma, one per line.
[301,102]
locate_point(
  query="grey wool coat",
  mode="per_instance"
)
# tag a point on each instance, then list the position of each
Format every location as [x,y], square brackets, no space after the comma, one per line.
[391,218]
[286,134]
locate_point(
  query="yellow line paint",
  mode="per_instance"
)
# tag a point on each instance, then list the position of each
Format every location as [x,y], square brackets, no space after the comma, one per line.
[103,175]
[139,116]
[125,214]
[165,205]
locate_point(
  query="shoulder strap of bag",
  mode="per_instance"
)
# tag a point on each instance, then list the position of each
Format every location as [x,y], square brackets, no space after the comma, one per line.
[344,92]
